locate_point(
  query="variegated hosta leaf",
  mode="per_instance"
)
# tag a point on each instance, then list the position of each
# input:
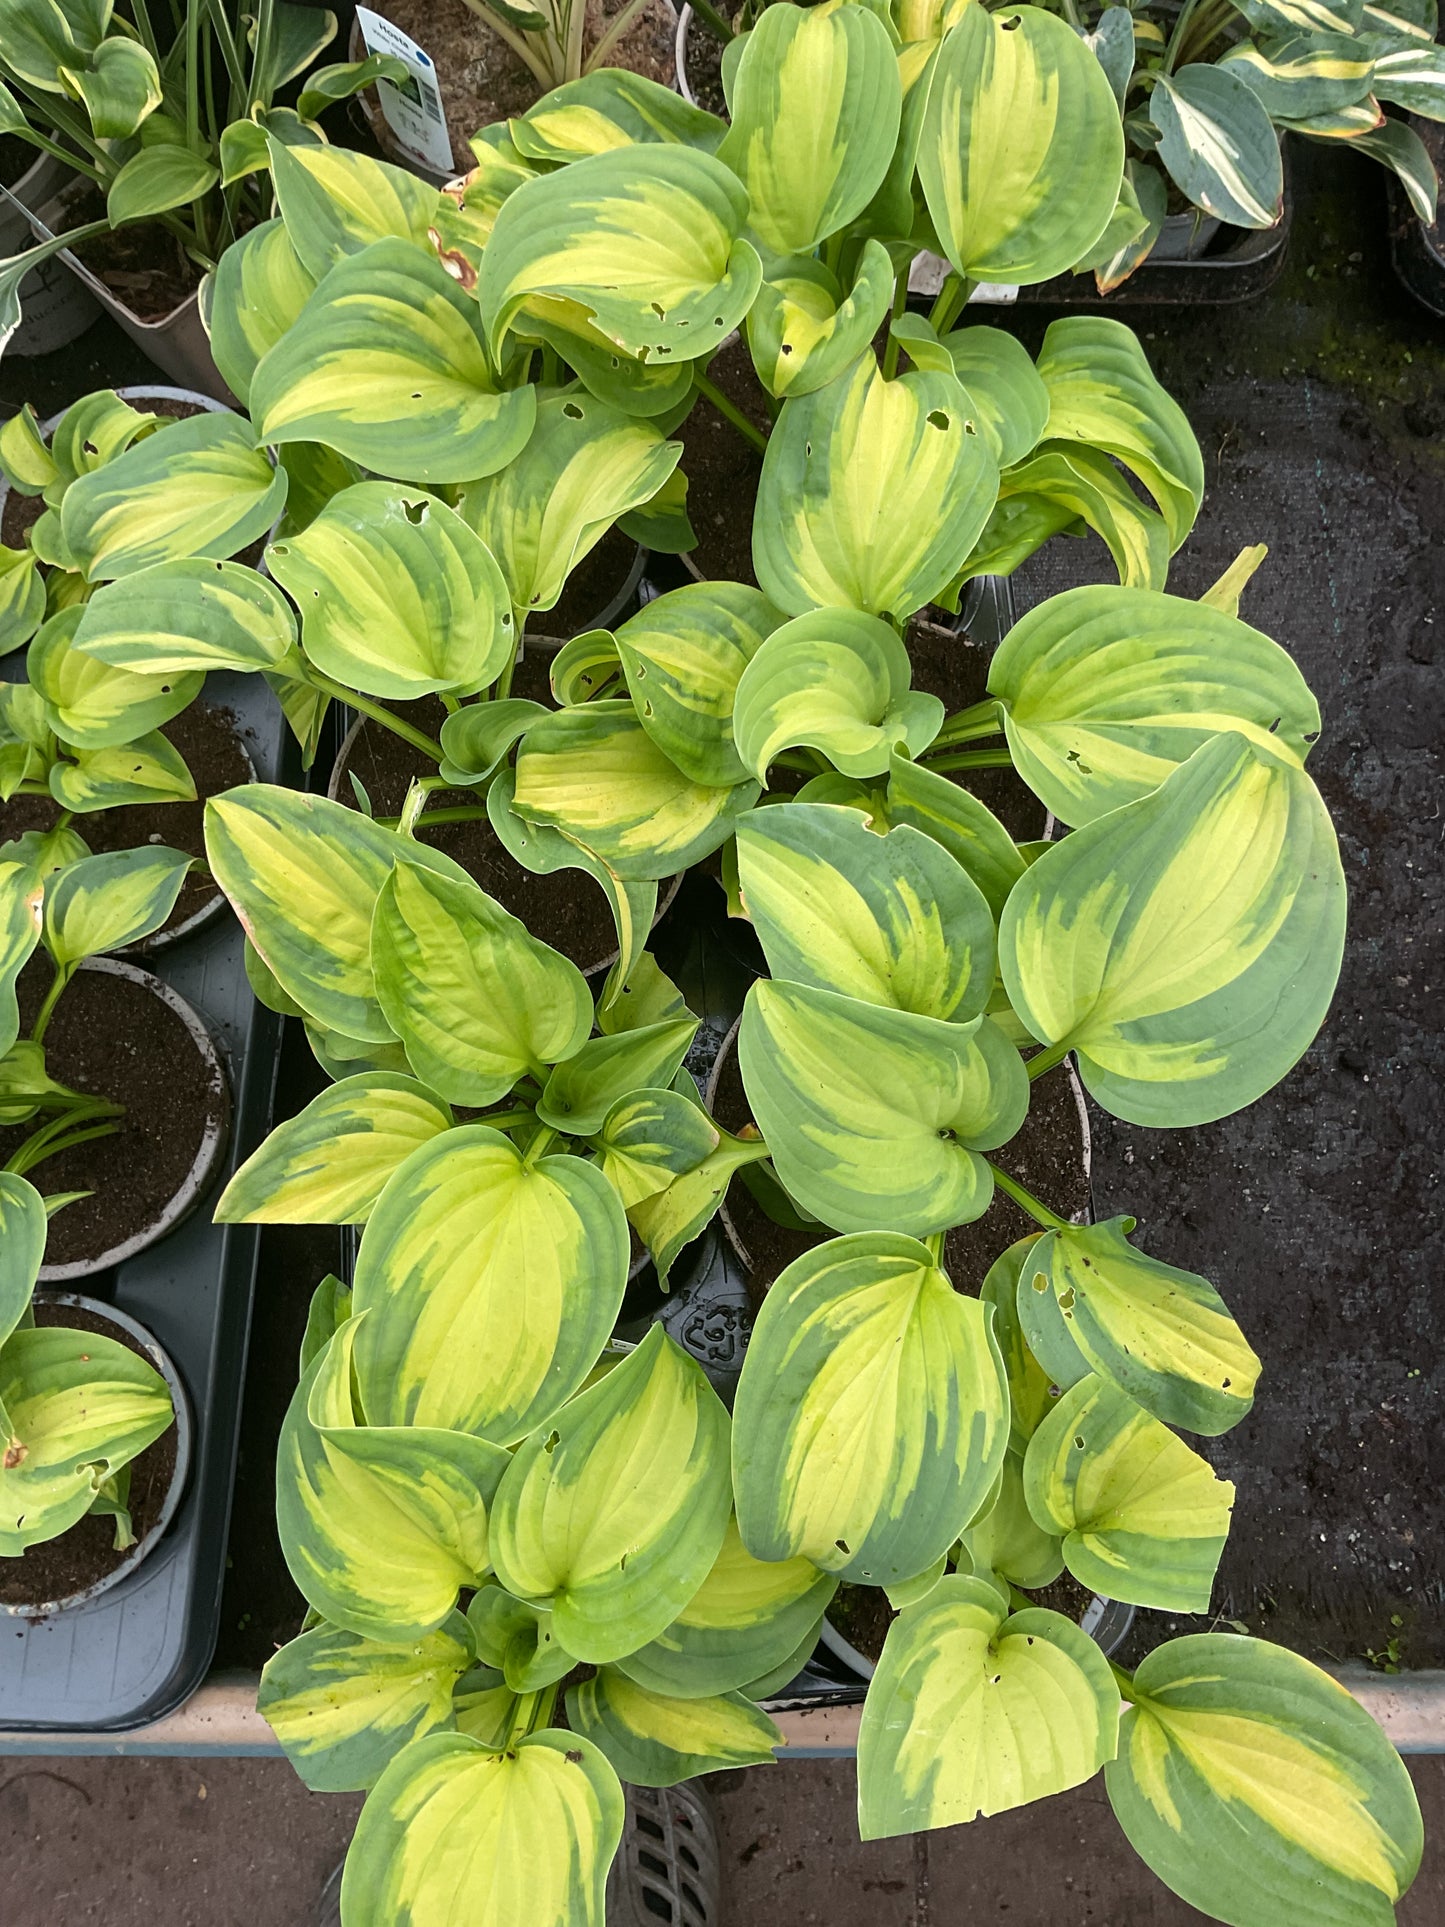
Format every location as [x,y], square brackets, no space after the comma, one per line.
[22,895]
[1021,151]
[459,1834]
[1185,946]
[1006,1540]
[655,1739]
[22,597]
[1219,145]
[671,1218]
[1143,1517]
[105,902]
[973,1711]
[1004,386]
[91,705]
[1032,1390]
[260,288]
[476,737]
[1412,77]
[683,654]
[580,1093]
[834,680]
[966,828]
[27,461]
[804,329]
[874,1117]
[22,1246]
[75,1408]
[381,1525]
[1105,691]
[595,773]
[1304,74]
[194,487]
[1396,145]
[1086,484]
[185,617]
[1162,1335]
[148,770]
[343,1707]
[872,493]
[386,364]
[476,1000]
[642,245]
[1305,16]
[616,1510]
[1247,1778]
[484,1707]
[336,202]
[397,596]
[90,434]
[583,466]
[492,1284]
[872,1415]
[815,102]
[611,108]
[517,1638]
[747,1617]
[1103,393]
[329,1163]
[328,1311]
[893,919]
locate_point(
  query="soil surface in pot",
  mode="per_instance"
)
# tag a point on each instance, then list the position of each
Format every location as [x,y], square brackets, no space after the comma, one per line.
[704,67]
[863,1615]
[593,586]
[86,1553]
[144,266]
[17,157]
[955,670]
[1047,1157]
[482,80]
[113,1038]
[208,739]
[565,909]
[722,469]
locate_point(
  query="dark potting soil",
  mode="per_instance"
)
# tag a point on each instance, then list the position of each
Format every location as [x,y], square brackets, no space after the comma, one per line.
[1047,1157]
[592,588]
[564,909]
[209,739]
[17,157]
[144,266]
[19,517]
[722,470]
[111,1037]
[949,666]
[863,1615]
[86,1553]
[704,68]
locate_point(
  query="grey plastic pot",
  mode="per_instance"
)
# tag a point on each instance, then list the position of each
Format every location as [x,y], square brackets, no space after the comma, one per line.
[1106,1621]
[185,1430]
[1185,237]
[55,307]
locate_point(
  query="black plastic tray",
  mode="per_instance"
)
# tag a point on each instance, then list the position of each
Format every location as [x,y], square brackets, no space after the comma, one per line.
[143,1647]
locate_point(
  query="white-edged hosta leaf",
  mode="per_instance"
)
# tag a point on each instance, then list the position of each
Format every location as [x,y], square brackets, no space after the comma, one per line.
[460,1834]
[893,919]
[872,1415]
[875,1118]
[805,329]
[107,901]
[91,705]
[260,287]
[655,1739]
[1219,145]
[148,770]
[1412,77]
[518,1639]
[336,202]
[1396,144]
[973,1711]
[616,1510]
[1006,389]
[835,680]
[22,1245]
[1105,691]
[609,108]
[186,617]
[343,1707]
[872,493]
[1303,74]
[1187,945]
[966,828]
[1247,1778]
[580,1093]
[1305,16]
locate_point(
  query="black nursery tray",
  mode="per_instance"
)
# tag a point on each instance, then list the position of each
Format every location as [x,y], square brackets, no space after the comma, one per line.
[143,1647]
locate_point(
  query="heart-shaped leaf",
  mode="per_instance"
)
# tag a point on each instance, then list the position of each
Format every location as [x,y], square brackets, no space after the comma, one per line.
[805,329]
[91,705]
[335,202]
[580,1093]
[259,288]
[610,108]
[187,616]
[655,1739]
[1219,145]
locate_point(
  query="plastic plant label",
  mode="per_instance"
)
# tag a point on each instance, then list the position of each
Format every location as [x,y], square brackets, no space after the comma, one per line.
[413,110]
[928,272]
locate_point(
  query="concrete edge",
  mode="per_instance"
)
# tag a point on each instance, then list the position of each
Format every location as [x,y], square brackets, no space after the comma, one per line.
[221,1720]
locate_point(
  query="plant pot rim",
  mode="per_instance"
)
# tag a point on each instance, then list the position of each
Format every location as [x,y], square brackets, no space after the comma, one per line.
[40,221]
[208,1153]
[42,163]
[185,1431]
[1106,1621]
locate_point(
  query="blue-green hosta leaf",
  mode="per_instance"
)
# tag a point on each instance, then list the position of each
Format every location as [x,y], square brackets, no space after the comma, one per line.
[381,1525]
[1144,185]
[1219,145]
[105,902]
[491,1285]
[1162,1335]
[816,102]
[747,1617]
[194,487]
[343,1707]
[458,1832]
[476,1000]
[398,597]
[974,1711]
[872,493]
[873,1117]
[22,1247]
[1247,1778]
[966,828]
[642,245]
[611,108]
[584,465]
[1304,74]
[1143,1517]
[1006,1541]
[330,1163]
[1112,42]
[893,919]
[1032,1390]
[616,1510]
[872,1415]
[386,364]
[22,894]
[88,703]
[1105,691]
[1339,123]
[77,1407]
[580,1093]
[595,773]
[1305,16]
[335,202]
[655,1739]
[186,617]
[1185,946]
[1397,146]
[518,1640]
[148,770]
[1082,483]
[805,329]
[683,654]
[1006,389]
[22,597]
[1021,150]
[834,680]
